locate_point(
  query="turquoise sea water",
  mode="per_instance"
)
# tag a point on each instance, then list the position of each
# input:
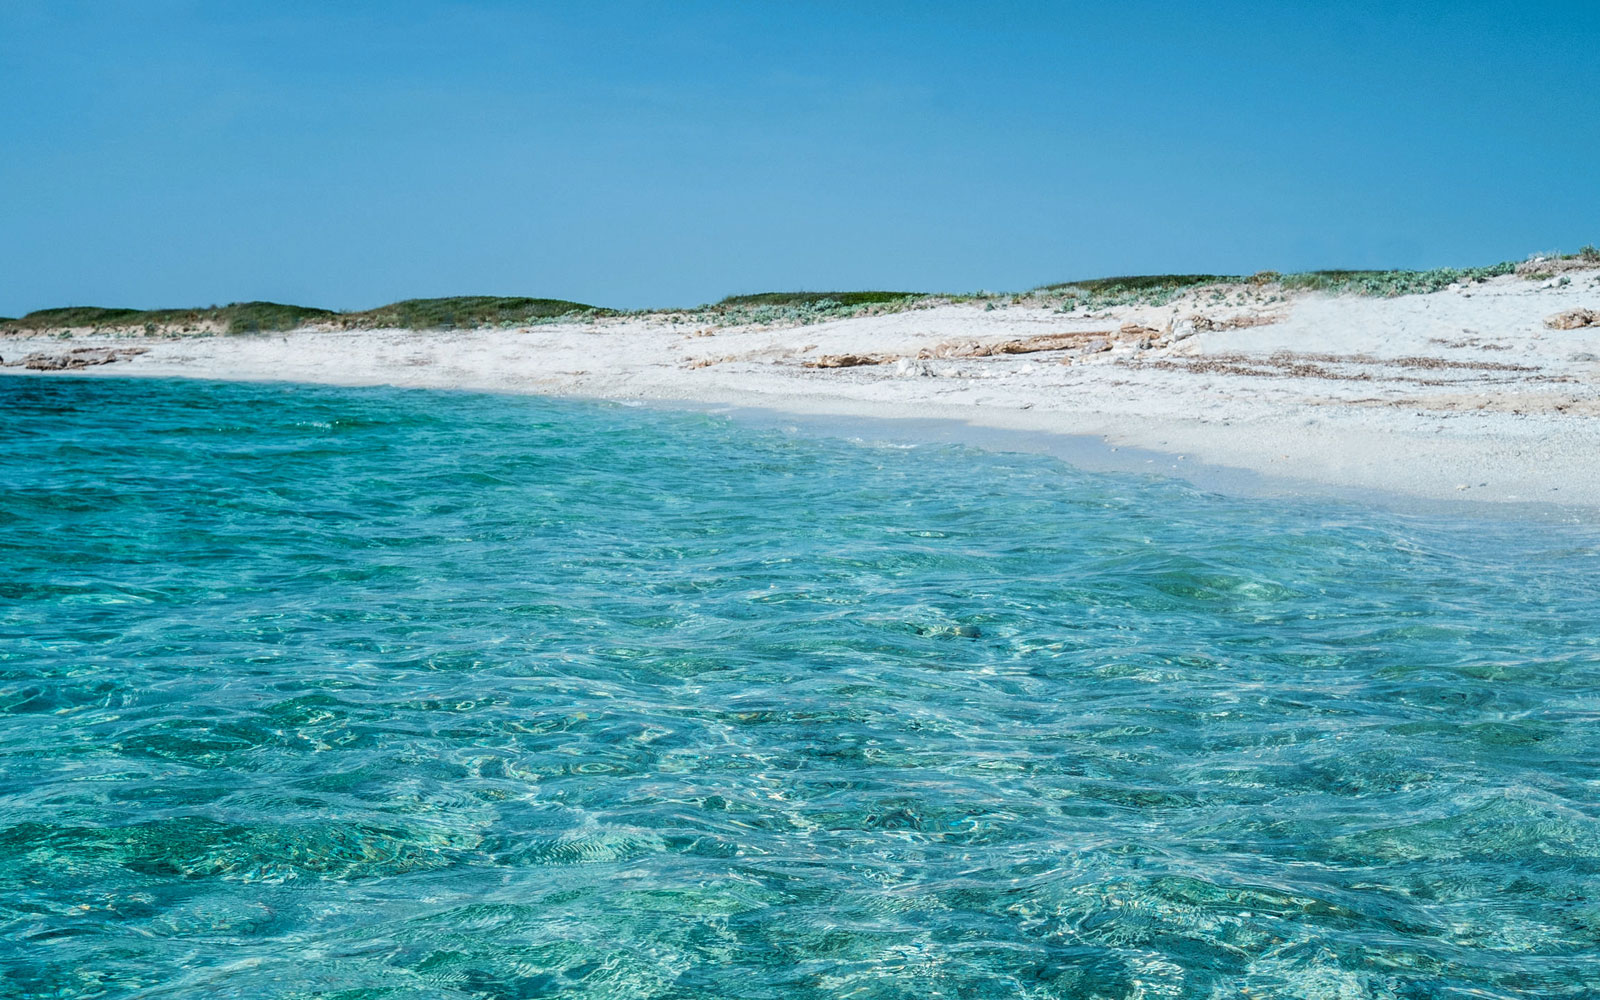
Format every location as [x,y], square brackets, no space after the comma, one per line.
[311,692]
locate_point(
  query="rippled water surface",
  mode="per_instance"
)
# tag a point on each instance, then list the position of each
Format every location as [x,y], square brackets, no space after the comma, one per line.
[366,693]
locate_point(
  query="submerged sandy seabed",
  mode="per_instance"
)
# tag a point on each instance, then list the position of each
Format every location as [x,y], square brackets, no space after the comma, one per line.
[1466,393]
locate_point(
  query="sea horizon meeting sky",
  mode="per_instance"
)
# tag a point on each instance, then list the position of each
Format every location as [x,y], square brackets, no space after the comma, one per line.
[170,154]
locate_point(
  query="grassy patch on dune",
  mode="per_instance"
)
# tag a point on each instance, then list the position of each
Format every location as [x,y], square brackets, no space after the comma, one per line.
[1391,283]
[236,317]
[467,311]
[256,317]
[1144,289]
[1159,289]
[816,298]
[253,317]
[796,308]
[91,316]
[1140,283]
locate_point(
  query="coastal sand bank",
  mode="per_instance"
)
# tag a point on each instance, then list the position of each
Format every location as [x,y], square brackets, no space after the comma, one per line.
[1476,392]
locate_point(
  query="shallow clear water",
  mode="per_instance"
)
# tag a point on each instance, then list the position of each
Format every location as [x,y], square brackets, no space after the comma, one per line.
[315,692]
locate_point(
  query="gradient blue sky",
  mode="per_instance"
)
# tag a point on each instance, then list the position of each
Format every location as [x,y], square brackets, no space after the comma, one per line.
[344,154]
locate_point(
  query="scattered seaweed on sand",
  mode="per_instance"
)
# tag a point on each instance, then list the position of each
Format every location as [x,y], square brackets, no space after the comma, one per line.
[849,360]
[1333,367]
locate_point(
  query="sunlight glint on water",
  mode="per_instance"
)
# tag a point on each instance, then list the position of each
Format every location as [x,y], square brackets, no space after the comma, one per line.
[369,693]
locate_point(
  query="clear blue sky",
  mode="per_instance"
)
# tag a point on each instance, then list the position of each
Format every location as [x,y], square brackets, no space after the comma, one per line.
[345,154]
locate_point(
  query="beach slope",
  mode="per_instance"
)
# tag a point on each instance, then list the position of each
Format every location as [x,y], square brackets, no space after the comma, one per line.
[1487,389]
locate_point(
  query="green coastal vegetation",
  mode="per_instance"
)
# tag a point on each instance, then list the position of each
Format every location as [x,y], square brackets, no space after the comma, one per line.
[816,298]
[238,317]
[259,317]
[1159,289]
[793,307]
[468,311]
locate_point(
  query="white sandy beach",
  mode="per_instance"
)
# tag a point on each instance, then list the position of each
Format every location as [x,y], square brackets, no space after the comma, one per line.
[1465,393]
